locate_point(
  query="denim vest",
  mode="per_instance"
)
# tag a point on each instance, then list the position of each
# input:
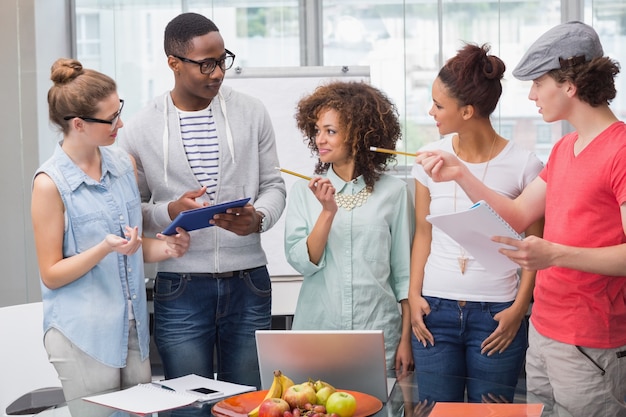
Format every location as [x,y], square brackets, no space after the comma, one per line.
[92,312]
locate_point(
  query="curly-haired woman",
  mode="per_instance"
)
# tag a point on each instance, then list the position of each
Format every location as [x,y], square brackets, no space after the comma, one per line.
[349,229]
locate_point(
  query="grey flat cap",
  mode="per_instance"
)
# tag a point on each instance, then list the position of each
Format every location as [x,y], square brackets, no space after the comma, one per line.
[563,45]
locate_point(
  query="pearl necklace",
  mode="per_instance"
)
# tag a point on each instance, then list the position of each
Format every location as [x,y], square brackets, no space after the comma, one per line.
[350,201]
[462,258]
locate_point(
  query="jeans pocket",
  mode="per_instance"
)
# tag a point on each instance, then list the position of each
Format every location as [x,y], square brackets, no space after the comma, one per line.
[169,286]
[434,304]
[495,308]
[258,281]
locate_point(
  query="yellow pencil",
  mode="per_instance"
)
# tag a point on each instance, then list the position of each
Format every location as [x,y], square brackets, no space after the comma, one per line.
[375,149]
[286,171]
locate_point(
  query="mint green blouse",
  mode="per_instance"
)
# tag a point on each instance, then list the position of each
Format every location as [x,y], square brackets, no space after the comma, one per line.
[364,271]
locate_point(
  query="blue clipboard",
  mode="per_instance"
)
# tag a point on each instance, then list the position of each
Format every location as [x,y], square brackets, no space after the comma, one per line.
[199,218]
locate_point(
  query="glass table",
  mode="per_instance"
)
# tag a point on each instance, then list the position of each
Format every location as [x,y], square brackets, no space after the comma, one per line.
[404,401]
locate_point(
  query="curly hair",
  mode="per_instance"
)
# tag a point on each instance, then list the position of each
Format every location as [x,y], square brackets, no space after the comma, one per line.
[368,118]
[594,80]
[473,77]
[182,29]
[75,91]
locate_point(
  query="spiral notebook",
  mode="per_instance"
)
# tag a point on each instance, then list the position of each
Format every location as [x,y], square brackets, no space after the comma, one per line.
[473,229]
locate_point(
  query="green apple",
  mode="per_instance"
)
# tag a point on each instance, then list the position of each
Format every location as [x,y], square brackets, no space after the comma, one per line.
[319,384]
[323,393]
[341,403]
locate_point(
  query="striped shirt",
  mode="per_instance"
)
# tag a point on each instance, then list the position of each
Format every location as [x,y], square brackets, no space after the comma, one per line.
[200,141]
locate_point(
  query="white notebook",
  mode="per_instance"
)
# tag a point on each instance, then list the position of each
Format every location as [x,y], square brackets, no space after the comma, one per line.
[168,394]
[473,229]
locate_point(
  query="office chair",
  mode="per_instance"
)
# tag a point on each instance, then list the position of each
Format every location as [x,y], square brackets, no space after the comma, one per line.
[29,382]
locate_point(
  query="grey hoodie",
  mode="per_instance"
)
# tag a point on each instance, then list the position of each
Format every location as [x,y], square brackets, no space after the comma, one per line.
[247,161]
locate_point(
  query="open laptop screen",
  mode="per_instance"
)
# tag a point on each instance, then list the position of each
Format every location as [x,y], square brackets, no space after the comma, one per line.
[347,359]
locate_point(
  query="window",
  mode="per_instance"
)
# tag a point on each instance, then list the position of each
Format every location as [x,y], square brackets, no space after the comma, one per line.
[88,38]
[544,135]
[403,42]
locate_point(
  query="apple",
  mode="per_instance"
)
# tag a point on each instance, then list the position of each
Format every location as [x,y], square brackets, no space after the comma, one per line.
[300,394]
[273,407]
[319,384]
[341,403]
[323,393]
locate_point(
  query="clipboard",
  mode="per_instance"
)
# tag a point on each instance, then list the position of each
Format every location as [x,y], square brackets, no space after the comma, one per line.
[199,218]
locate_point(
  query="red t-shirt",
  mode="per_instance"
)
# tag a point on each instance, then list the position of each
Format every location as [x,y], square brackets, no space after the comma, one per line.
[583,199]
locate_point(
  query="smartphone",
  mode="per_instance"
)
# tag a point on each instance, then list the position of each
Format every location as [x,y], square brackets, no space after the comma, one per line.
[205,393]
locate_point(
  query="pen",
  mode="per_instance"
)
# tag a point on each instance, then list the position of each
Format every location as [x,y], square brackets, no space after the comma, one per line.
[375,149]
[156,384]
[286,171]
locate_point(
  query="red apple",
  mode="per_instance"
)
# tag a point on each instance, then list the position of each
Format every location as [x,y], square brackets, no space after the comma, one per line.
[273,407]
[341,403]
[299,395]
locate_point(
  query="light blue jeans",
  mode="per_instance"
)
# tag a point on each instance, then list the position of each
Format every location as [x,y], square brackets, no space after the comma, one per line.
[198,315]
[455,363]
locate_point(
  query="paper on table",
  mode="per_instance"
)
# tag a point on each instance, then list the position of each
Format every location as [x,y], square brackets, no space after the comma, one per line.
[149,398]
[192,381]
[444,409]
[473,229]
[143,399]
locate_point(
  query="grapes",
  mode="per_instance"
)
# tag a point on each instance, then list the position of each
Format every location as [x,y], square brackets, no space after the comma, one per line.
[309,410]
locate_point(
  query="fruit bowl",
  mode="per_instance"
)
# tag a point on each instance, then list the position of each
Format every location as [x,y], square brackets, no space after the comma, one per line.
[240,405]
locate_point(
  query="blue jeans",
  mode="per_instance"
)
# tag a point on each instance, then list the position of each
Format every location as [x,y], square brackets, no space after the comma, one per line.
[455,363]
[196,315]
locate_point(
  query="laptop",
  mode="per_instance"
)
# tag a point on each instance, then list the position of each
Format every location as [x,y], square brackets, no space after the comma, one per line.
[353,360]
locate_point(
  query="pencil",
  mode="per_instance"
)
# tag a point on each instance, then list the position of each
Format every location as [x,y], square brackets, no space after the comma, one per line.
[286,171]
[375,149]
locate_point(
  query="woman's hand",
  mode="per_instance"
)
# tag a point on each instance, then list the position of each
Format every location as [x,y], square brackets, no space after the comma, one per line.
[324,191]
[125,246]
[177,244]
[419,309]
[509,321]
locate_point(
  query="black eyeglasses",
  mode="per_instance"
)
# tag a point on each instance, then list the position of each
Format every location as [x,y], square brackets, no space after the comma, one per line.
[208,65]
[112,122]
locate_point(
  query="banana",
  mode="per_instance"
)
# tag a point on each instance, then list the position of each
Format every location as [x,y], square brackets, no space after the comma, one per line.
[285,382]
[275,391]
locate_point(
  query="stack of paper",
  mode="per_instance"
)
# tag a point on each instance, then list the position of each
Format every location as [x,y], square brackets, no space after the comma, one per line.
[168,394]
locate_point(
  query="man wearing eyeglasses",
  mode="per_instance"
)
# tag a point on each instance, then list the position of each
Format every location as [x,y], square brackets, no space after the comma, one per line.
[200,144]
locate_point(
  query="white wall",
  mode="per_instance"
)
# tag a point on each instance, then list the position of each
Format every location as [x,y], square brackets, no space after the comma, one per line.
[30,30]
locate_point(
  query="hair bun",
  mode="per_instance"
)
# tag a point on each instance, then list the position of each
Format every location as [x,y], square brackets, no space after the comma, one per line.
[65,70]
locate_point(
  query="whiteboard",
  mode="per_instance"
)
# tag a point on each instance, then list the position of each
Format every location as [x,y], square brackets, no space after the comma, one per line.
[280,89]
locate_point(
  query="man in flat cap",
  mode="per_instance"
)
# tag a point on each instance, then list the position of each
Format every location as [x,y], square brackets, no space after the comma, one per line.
[576,361]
